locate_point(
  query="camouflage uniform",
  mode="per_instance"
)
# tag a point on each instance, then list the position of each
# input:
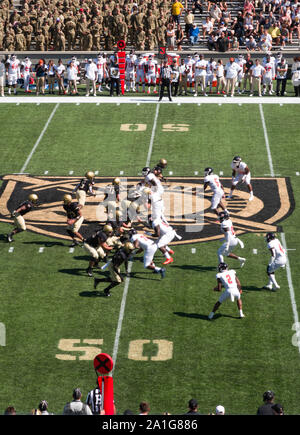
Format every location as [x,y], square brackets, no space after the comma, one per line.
[40,41]
[20,41]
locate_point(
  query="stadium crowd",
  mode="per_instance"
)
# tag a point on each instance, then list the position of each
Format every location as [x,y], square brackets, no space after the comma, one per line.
[93,406]
[187,75]
[87,25]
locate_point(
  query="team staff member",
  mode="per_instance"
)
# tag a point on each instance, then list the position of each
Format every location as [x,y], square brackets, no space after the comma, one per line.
[165,80]
[74,218]
[120,257]
[18,214]
[86,185]
[114,74]
[96,245]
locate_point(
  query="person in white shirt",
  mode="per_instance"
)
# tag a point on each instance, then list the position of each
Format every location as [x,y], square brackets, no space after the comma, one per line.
[189,64]
[233,289]
[60,71]
[232,70]
[157,190]
[151,73]
[91,74]
[130,73]
[230,240]
[241,62]
[143,243]
[26,71]
[210,73]
[165,234]
[140,72]
[257,72]
[240,172]
[221,82]
[278,260]
[13,71]
[2,76]
[72,78]
[212,180]
[200,74]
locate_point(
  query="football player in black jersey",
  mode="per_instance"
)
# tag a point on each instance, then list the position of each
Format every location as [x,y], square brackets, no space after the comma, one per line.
[115,276]
[96,245]
[74,219]
[85,186]
[18,214]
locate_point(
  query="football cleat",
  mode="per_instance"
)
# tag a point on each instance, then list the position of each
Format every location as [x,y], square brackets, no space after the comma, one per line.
[268,287]
[89,272]
[222,267]
[208,171]
[211,315]
[242,315]
[33,198]
[169,261]
[242,262]
[9,238]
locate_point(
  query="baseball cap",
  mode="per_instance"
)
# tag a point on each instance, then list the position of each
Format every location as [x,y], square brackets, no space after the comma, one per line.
[220,410]
[90,60]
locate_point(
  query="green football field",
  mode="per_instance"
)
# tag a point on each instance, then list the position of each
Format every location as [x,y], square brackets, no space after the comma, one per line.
[165,349]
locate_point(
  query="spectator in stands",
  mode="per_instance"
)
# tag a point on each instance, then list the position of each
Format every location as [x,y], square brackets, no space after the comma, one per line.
[189,21]
[215,13]
[265,42]
[170,36]
[223,43]
[207,26]
[176,11]
[77,407]
[194,34]
[179,35]
[212,41]
[144,408]
[197,6]
[248,8]
[275,33]
[251,44]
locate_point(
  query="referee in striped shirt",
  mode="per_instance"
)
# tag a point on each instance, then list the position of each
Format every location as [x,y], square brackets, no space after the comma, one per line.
[165,80]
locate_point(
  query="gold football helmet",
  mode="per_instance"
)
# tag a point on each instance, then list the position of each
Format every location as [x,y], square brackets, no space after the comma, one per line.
[67,198]
[116,181]
[107,229]
[147,190]
[90,175]
[33,197]
[163,163]
[128,247]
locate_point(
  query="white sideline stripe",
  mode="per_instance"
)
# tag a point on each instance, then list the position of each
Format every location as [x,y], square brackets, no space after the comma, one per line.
[291,287]
[266,140]
[147,100]
[41,249]
[193,250]
[254,251]
[11,249]
[152,135]
[121,317]
[71,250]
[39,138]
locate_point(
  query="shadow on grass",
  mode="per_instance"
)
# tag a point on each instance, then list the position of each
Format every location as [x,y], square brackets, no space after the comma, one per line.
[202,316]
[46,244]
[196,268]
[74,271]
[252,288]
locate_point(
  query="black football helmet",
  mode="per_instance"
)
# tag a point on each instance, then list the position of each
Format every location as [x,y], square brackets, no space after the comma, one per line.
[268,395]
[146,171]
[236,159]
[208,171]
[223,215]
[222,267]
[270,236]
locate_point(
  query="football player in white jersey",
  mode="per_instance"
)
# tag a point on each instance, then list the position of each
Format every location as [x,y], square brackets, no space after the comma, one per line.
[151,74]
[240,77]
[231,241]
[26,71]
[157,190]
[240,172]
[13,71]
[140,72]
[210,73]
[212,180]
[278,259]
[228,279]
[269,66]
[189,65]
[143,243]
[165,234]
[130,73]
[101,70]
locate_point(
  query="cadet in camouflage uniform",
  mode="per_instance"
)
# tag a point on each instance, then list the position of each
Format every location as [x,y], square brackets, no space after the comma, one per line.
[20,41]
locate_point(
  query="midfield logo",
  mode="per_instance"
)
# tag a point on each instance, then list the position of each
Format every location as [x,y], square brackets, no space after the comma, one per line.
[187,207]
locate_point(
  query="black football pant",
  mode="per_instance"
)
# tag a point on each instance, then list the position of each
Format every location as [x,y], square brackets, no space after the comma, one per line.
[165,84]
[114,83]
[280,83]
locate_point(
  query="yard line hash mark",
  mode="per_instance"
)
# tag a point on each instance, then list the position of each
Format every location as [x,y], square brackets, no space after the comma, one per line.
[39,138]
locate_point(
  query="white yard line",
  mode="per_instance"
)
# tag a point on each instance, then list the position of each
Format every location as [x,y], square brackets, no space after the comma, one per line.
[266,140]
[121,317]
[152,135]
[39,139]
[291,287]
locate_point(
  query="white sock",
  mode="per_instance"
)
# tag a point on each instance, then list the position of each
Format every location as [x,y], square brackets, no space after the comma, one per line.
[273,280]
[167,255]
[241,312]
[157,269]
